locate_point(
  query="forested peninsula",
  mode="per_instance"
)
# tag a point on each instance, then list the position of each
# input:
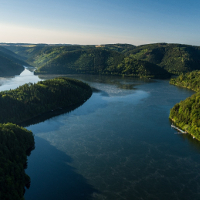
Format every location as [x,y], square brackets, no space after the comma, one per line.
[31,100]
[22,104]
[186,114]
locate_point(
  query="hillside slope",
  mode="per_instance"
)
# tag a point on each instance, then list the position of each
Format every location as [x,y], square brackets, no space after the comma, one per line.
[101,61]
[175,58]
[8,67]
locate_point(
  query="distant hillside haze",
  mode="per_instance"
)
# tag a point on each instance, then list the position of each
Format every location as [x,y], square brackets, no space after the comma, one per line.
[159,60]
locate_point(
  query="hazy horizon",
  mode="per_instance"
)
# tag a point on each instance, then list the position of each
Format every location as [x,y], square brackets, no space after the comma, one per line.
[92,22]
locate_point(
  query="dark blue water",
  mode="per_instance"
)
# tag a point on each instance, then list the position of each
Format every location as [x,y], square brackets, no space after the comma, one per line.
[118,145]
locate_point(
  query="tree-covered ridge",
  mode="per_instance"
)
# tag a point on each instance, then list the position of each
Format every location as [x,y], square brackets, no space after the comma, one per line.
[101,61]
[9,65]
[31,100]
[190,80]
[122,48]
[141,69]
[175,58]
[15,144]
[186,114]
[39,54]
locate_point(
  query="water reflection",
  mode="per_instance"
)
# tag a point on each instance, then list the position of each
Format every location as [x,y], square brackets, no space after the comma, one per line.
[53,177]
[194,143]
[13,82]
[97,80]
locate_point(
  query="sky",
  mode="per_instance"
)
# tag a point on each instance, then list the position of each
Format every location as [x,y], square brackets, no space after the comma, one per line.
[98,22]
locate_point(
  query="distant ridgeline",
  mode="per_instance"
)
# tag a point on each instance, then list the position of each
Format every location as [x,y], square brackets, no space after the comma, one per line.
[152,61]
[186,114]
[19,105]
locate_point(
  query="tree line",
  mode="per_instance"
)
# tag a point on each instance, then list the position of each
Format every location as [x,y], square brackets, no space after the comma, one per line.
[15,144]
[186,114]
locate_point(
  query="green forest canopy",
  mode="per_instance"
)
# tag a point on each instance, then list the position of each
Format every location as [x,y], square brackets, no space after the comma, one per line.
[111,58]
[101,61]
[15,144]
[186,114]
[31,100]
[175,58]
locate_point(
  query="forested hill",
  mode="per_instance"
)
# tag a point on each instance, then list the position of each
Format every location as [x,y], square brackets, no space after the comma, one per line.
[31,100]
[174,58]
[10,64]
[186,114]
[101,61]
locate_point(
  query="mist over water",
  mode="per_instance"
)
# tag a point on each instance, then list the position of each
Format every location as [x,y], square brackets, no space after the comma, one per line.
[117,145]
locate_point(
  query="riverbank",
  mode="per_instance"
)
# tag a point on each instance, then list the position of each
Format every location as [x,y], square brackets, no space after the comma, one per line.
[16,144]
[186,114]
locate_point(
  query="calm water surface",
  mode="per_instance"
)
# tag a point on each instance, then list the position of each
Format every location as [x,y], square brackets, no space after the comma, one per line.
[118,145]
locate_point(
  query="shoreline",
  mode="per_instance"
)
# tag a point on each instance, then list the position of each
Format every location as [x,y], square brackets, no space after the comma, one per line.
[185,132]
[49,114]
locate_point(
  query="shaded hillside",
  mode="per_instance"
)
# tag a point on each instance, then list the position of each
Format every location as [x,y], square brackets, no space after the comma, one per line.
[12,55]
[31,100]
[101,61]
[175,58]
[39,54]
[9,66]
[15,144]
[186,114]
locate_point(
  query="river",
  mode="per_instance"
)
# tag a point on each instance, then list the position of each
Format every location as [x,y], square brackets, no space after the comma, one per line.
[118,145]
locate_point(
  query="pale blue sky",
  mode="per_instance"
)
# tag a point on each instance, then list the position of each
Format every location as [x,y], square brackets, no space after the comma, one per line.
[100,21]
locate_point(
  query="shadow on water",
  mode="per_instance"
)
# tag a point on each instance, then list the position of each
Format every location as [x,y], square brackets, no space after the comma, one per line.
[194,143]
[50,168]
[48,115]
